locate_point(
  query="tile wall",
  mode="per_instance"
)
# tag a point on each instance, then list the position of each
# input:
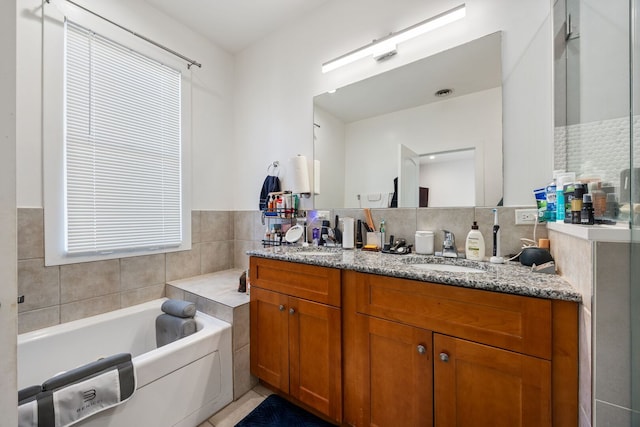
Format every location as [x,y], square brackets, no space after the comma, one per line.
[220,240]
[574,258]
[612,335]
[59,294]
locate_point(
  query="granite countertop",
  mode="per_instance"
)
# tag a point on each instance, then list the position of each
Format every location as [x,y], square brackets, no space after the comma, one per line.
[511,277]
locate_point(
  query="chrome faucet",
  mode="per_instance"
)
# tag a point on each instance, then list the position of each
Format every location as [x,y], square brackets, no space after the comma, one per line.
[449,249]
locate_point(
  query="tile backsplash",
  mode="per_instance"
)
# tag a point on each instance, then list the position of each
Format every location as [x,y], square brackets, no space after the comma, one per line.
[220,240]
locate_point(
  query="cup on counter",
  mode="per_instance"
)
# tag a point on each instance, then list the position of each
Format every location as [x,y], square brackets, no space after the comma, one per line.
[424,242]
[374,238]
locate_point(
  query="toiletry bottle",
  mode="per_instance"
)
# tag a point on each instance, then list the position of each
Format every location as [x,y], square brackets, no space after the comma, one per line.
[324,232]
[550,195]
[474,247]
[569,191]
[561,180]
[612,209]
[586,214]
[359,235]
[576,203]
[599,200]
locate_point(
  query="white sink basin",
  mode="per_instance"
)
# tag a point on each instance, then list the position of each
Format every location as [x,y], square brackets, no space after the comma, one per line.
[448,268]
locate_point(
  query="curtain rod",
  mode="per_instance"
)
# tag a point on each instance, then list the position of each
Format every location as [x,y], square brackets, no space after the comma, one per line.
[148,40]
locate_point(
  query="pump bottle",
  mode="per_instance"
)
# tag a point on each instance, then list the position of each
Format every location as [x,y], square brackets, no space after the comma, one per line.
[474,247]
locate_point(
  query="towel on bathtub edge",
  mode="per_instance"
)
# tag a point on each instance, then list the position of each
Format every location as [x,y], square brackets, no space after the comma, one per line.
[179,308]
[28,406]
[74,395]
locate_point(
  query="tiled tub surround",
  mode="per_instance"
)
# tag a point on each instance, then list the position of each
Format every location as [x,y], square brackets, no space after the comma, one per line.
[63,293]
[216,294]
[220,240]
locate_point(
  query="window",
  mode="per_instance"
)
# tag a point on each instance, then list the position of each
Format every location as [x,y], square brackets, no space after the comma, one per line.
[118,160]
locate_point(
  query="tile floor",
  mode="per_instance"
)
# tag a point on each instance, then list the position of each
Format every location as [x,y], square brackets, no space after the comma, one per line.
[235,411]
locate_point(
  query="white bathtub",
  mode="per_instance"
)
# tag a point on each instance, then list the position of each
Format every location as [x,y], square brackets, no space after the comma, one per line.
[179,384]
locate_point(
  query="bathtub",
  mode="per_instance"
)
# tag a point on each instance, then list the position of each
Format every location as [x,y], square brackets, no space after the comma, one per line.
[179,384]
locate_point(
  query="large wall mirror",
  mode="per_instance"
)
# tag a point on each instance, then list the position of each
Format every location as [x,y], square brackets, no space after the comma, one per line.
[429,131]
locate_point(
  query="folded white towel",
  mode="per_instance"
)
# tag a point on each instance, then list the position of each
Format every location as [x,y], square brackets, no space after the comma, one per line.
[81,400]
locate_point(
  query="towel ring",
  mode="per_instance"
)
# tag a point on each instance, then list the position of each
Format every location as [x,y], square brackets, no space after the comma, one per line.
[273,168]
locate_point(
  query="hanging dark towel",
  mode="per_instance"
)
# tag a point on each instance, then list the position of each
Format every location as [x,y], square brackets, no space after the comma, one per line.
[394,198]
[271,184]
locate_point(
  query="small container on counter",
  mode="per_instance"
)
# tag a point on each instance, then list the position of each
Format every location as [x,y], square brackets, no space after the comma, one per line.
[424,242]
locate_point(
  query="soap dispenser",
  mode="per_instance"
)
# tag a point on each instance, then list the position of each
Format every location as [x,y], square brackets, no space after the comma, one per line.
[474,247]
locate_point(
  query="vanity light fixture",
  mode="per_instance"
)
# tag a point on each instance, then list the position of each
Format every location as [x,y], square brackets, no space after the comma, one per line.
[386,46]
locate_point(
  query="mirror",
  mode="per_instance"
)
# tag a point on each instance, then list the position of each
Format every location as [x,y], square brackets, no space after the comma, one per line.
[445,149]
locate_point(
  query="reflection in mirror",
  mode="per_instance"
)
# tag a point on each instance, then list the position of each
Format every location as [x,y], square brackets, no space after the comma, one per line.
[364,133]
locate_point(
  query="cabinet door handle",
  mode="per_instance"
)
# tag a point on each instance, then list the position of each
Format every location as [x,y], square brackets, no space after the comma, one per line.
[444,357]
[292,310]
[422,349]
[281,307]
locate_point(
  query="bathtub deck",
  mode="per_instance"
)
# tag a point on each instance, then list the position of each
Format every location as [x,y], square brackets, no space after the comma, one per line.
[216,294]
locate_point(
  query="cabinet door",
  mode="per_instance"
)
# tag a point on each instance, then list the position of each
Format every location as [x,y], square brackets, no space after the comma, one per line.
[315,356]
[396,373]
[270,337]
[478,385]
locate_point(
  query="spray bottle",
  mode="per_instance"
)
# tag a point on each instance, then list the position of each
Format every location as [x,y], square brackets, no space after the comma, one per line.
[496,258]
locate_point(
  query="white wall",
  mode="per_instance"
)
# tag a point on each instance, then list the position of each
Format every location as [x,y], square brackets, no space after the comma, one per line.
[8,253]
[329,149]
[470,121]
[450,183]
[212,100]
[278,77]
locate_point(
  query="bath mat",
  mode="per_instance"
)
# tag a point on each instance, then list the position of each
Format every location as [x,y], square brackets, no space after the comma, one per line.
[275,411]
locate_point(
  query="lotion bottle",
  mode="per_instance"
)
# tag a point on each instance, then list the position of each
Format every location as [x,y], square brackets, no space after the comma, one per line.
[474,247]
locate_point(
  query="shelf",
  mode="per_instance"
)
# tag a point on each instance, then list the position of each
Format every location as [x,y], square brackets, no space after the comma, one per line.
[596,233]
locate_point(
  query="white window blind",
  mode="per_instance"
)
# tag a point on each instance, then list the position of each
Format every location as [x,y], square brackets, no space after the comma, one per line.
[122,147]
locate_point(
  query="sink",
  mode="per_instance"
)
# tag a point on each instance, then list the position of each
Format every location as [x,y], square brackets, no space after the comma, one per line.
[447,267]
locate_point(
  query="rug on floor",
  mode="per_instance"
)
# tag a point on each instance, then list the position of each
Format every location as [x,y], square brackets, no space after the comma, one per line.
[275,411]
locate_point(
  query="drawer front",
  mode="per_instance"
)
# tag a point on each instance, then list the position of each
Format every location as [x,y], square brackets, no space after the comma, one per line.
[319,284]
[512,322]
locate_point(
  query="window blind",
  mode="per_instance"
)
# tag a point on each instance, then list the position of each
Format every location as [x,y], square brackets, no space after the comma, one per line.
[122,147]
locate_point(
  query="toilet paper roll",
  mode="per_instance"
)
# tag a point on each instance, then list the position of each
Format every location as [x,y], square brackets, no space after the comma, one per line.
[299,175]
[348,233]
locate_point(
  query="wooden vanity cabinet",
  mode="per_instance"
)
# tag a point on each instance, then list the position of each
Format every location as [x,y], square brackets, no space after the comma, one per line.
[424,354]
[296,332]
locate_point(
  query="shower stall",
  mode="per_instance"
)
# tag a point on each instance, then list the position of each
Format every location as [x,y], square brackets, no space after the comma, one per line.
[597,135]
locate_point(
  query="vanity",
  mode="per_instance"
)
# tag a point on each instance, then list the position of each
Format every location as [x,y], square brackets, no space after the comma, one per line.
[368,338]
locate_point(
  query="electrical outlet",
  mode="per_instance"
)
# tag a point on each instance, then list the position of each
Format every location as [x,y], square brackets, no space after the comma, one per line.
[526,216]
[320,215]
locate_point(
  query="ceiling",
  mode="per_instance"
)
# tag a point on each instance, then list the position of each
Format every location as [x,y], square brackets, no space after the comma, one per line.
[465,69]
[235,24]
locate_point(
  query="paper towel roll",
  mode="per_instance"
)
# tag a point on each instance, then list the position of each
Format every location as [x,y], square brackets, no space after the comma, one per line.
[348,232]
[299,175]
